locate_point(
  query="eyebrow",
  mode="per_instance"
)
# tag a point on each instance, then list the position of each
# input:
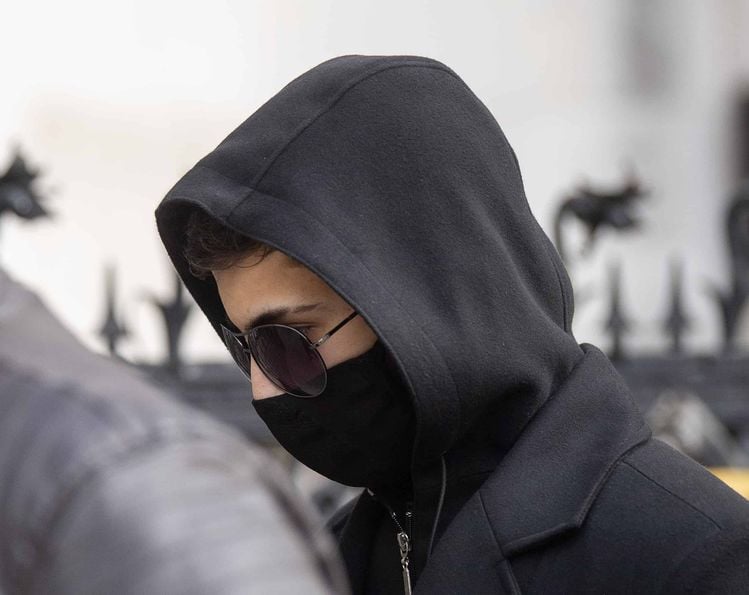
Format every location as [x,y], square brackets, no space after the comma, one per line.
[278,314]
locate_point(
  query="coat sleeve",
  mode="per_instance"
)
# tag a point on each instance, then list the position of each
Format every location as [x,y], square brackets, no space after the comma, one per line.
[719,565]
[109,485]
[179,509]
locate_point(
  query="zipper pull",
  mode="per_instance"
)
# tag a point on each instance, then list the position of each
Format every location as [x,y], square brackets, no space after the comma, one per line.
[404,544]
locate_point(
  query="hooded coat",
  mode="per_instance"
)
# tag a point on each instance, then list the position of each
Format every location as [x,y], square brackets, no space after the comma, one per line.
[532,469]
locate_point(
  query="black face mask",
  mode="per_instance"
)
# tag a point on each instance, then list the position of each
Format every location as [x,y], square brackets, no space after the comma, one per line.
[358,432]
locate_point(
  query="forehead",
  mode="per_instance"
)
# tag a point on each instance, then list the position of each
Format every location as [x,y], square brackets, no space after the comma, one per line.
[262,274]
[254,283]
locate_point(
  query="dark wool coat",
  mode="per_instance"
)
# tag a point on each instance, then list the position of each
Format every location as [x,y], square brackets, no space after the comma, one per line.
[585,502]
[532,470]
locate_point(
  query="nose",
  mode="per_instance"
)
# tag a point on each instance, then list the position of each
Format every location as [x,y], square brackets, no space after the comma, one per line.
[262,388]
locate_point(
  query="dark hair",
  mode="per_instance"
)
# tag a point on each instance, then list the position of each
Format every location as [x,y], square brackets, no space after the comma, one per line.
[210,245]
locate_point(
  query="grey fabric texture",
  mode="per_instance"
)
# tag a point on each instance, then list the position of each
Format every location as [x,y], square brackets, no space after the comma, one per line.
[107,485]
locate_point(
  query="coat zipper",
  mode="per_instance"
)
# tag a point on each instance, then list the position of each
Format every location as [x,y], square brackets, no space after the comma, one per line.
[404,546]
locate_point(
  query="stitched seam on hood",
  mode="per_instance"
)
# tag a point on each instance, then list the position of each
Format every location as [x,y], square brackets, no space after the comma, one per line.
[404,311]
[344,247]
[341,94]
[566,298]
[566,321]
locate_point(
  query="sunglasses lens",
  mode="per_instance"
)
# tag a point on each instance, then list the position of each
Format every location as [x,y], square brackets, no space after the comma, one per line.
[288,359]
[237,350]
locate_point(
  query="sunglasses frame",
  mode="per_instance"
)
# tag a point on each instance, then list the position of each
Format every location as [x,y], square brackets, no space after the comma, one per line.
[247,344]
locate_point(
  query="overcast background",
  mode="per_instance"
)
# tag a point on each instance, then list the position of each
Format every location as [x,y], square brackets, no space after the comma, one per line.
[114,101]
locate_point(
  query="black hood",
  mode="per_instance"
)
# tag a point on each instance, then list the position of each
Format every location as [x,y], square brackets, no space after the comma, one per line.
[392,181]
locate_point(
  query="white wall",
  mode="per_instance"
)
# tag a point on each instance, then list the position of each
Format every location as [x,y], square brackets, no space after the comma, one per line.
[117,100]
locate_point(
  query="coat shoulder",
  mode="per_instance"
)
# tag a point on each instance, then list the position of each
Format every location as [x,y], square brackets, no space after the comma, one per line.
[687,483]
[657,512]
[720,564]
[717,557]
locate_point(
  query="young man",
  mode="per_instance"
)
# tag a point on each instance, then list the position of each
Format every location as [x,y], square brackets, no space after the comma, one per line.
[363,245]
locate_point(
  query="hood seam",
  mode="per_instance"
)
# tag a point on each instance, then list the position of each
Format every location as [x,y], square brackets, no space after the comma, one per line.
[566,320]
[294,207]
[341,94]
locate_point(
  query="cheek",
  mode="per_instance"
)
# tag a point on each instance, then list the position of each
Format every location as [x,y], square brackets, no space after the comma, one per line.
[349,345]
[262,388]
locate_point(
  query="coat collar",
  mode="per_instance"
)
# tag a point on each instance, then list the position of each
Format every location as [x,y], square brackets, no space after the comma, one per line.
[545,485]
[542,488]
[551,476]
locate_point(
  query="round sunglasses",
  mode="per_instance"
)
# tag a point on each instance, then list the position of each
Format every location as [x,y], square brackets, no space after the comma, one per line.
[288,358]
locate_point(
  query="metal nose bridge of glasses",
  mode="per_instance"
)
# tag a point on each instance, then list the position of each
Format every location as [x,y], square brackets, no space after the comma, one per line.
[247,345]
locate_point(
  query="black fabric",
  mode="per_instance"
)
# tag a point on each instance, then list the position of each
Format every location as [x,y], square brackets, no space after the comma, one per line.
[358,431]
[389,178]
[384,574]
[383,568]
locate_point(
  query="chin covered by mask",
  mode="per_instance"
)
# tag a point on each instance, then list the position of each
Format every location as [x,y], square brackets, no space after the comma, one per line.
[358,432]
